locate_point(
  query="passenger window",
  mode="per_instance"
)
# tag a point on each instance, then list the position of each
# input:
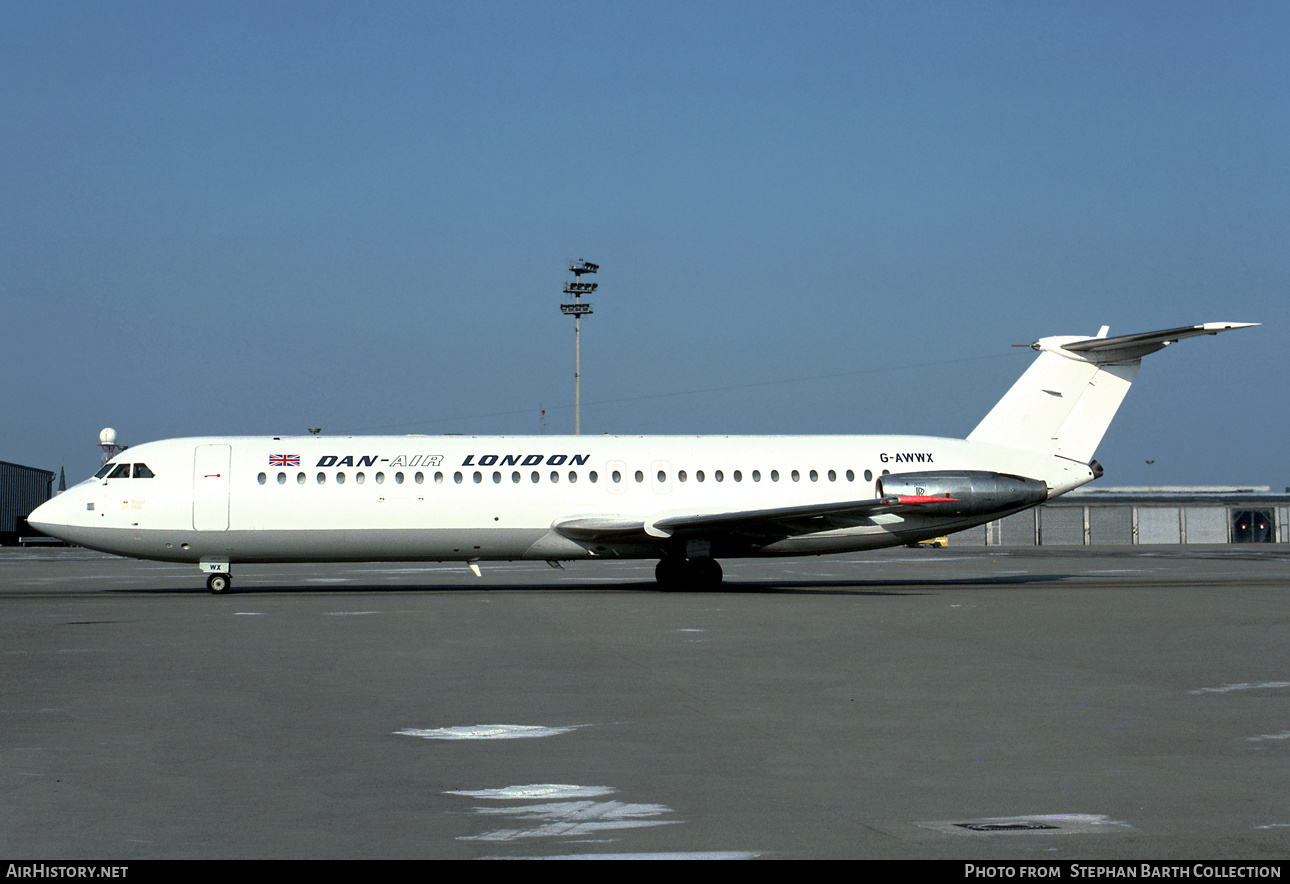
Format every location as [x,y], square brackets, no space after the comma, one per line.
[833,476]
[300,478]
[573,477]
[535,477]
[593,477]
[796,476]
[774,475]
[851,475]
[615,476]
[815,477]
[662,477]
[261,478]
[141,471]
[398,478]
[756,475]
[340,478]
[360,478]
[282,478]
[478,477]
[555,477]
[719,476]
[497,478]
[680,474]
[456,477]
[380,478]
[515,477]
[419,478]
[868,475]
[640,477]
[698,475]
[322,477]
[739,477]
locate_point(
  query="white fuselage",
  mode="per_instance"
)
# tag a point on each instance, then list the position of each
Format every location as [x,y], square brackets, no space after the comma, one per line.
[684,500]
[438,498]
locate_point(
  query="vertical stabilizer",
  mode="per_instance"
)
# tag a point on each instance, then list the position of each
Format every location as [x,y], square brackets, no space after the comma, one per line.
[1065,401]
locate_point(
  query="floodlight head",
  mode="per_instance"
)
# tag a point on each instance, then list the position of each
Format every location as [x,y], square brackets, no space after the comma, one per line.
[581,266]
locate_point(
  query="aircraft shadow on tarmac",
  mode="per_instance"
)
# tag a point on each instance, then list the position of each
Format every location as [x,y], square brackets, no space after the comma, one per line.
[832,586]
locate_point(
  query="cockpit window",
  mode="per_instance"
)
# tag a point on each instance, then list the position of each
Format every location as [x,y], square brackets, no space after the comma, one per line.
[122,471]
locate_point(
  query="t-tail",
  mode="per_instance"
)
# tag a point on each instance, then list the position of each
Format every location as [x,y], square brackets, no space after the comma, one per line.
[1065,401]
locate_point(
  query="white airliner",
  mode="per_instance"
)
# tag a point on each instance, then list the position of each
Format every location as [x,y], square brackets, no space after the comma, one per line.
[684,500]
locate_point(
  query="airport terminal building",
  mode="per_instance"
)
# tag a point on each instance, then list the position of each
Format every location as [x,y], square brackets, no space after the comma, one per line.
[22,489]
[1111,516]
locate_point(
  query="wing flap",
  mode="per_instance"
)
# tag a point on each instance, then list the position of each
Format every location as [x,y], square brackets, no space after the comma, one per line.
[602,529]
[777,522]
[786,521]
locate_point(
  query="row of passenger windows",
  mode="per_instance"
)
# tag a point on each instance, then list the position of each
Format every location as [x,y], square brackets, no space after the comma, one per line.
[616,477]
[420,478]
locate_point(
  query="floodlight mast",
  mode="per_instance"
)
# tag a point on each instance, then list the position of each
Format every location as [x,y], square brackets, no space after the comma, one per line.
[578,288]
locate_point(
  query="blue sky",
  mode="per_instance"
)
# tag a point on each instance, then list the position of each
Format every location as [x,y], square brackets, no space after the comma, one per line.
[253,218]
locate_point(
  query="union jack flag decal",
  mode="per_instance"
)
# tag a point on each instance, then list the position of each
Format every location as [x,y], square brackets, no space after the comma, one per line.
[284,460]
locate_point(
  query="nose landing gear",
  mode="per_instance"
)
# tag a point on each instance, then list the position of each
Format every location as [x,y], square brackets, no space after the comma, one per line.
[218,578]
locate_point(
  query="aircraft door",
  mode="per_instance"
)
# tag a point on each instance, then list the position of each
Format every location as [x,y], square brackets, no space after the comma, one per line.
[210,487]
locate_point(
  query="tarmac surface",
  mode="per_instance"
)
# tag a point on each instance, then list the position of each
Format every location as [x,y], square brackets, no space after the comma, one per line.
[1109,703]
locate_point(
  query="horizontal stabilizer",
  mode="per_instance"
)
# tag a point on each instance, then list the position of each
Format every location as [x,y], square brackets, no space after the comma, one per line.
[1139,345]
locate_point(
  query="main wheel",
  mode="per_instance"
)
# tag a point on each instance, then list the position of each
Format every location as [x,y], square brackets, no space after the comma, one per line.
[705,573]
[670,572]
[677,574]
[218,583]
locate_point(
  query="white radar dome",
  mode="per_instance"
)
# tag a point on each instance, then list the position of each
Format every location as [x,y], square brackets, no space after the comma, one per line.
[107,437]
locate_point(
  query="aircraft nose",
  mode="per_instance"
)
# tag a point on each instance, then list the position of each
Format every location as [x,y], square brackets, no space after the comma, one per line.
[50,516]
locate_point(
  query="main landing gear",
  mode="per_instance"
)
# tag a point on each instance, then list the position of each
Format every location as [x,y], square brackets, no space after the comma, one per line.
[219,583]
[674,573]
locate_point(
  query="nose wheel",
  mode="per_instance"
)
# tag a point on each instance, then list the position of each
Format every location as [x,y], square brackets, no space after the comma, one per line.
[219,583]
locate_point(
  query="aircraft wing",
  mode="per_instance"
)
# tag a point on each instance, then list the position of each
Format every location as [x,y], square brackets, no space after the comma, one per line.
[778,522]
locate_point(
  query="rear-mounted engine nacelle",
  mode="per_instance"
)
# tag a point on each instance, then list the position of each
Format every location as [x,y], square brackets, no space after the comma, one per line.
[973,492]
